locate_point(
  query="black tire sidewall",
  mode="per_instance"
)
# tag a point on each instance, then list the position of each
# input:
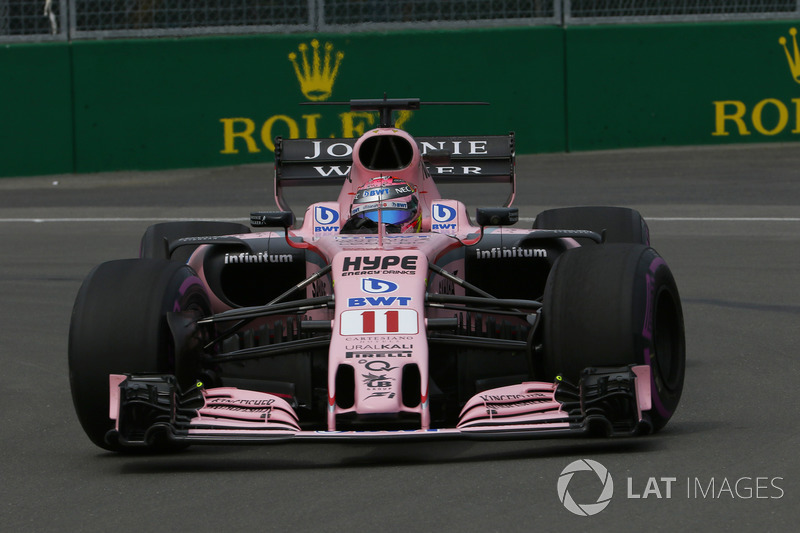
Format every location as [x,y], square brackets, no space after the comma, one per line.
[601,308]
[659,314]
[119,326]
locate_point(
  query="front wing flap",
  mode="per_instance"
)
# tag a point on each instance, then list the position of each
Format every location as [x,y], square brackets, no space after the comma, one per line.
[609,401]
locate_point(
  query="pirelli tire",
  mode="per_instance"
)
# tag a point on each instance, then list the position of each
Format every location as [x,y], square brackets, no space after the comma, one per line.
[119,325]
[154,241]
[620,224]
[613,305]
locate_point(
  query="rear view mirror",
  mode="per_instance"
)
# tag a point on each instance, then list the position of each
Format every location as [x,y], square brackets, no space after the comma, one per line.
[497,216]
[272,219]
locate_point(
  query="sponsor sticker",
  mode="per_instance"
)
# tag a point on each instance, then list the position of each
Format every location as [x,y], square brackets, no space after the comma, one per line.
[443,213]
[379,264]
[377,286]
[379,321]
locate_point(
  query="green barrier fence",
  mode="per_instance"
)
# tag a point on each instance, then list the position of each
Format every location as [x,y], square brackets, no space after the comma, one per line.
[631,86]
[209,101]
[222,100]
[35,109]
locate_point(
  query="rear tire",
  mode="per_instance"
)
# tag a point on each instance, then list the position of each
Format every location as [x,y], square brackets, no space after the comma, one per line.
[155,238]
[620,224]
[615,305]
[119,326]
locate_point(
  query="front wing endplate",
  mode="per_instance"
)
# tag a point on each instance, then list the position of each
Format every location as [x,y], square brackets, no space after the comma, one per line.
[150,407]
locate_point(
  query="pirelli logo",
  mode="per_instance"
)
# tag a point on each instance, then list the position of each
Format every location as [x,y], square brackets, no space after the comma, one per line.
[374,355]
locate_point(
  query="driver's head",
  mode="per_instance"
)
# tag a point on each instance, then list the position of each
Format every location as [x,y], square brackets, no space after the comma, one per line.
[390,201]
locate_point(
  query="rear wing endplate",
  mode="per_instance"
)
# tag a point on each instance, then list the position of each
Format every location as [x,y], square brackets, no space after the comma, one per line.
[472,159]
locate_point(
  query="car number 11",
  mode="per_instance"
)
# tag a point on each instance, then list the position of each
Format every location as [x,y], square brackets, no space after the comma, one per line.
[357,322]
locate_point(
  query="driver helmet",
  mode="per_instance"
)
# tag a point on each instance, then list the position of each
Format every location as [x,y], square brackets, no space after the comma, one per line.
[391,201]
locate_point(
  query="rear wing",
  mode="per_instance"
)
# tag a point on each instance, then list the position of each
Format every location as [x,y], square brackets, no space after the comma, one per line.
[472,159]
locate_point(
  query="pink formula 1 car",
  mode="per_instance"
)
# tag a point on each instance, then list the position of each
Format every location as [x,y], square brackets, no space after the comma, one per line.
[389,313]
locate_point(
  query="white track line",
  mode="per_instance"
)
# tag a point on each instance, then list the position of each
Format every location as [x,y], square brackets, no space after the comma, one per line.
[724,219]
[120,219]
[708,219]
[522,219]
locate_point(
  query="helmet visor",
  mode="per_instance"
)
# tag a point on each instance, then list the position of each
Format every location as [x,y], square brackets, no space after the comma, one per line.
[389,216]
[385,212]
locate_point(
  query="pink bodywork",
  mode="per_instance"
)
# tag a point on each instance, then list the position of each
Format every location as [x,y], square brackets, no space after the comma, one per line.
[379,326]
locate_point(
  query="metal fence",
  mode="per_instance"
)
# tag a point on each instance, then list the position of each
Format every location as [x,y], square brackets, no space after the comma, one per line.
[42,20]
[30,20]
[642,11]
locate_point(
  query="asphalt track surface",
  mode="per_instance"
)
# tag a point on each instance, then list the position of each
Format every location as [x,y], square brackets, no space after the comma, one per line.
[727,220]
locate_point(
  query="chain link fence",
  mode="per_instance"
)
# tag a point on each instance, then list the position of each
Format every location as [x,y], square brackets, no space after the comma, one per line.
[364,14]
[617,11]
[42,20]
[26,20]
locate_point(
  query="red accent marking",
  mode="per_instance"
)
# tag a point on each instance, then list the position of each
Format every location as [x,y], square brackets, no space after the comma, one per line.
[392,322]
[448,249]
[369,321]
[281,395]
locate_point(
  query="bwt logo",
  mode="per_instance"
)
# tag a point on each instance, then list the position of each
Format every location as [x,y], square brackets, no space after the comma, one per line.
[326,217]
[443,214]
[379,301]
[376,192]
[377,286]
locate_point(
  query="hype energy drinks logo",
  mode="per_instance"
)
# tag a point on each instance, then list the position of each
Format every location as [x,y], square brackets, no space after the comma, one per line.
[769,116]
[316,67]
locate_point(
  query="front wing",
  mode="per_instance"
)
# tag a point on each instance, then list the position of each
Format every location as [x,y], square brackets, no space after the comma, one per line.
[608,401]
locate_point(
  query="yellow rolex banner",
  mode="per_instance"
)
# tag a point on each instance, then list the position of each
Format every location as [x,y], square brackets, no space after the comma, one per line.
[680,84]
[165,103]
[208,101]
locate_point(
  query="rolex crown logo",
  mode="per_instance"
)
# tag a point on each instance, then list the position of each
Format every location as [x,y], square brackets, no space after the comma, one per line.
[316,78]
[794,56]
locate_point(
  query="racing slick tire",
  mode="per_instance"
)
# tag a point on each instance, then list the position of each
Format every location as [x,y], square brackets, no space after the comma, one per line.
[614,305]
[119,325]
[621,224]
[153,244]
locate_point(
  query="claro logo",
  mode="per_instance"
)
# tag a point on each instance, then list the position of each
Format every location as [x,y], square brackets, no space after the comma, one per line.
[767,117]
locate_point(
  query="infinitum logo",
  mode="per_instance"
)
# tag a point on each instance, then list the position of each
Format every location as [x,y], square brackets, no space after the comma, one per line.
[585,509]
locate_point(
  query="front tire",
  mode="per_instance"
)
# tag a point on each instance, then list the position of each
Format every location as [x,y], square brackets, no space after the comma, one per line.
[119,326]
[615,305]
